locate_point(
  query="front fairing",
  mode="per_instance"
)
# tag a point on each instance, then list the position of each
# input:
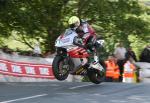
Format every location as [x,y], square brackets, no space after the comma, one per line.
[66,39]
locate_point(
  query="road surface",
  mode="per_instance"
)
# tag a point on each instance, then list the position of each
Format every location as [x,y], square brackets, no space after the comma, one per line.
[74,92]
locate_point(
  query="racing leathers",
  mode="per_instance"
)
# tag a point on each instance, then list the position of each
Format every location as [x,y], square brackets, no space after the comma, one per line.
[78,37]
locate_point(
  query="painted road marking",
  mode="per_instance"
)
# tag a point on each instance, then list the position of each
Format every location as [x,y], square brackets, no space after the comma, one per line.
[81,86]
[25,98]
[85,86]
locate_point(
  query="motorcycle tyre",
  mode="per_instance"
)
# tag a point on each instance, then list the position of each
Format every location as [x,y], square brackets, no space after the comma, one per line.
[93,78]
[55,67]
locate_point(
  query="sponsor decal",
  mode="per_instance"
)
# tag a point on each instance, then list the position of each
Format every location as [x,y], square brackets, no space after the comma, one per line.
[16,69]
[3,67]
[44,71]
[30,70]
[65,40]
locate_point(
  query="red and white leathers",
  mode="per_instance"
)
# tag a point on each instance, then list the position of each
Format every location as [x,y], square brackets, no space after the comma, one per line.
[89,33]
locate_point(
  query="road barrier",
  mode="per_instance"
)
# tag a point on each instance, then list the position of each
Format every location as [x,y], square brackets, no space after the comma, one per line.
[8,67]
[144,71]
[25,67]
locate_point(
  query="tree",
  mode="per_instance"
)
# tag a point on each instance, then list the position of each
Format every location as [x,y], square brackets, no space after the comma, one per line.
[32,18]
[115,20]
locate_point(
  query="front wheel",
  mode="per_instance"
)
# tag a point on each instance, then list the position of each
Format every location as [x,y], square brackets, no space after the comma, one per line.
[96,76]
[60,68]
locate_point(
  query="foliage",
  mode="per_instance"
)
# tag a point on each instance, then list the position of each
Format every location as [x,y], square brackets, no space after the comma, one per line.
[115,20]
[31,18]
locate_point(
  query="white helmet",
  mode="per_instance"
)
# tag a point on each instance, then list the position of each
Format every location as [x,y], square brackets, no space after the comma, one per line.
[74,20]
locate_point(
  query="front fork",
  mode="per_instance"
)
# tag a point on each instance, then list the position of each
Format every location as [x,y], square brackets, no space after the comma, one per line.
[94,62]
[93,57]
[63,53]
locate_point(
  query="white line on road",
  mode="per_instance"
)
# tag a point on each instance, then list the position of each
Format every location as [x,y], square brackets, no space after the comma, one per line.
[25,98]
[80,86]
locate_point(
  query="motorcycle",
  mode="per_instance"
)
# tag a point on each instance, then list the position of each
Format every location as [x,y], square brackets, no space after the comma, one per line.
[72,59]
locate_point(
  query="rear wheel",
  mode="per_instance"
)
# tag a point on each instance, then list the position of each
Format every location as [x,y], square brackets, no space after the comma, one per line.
[60,68]
[96,76]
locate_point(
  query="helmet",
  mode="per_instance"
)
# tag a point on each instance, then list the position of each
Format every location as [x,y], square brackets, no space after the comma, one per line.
[74,20]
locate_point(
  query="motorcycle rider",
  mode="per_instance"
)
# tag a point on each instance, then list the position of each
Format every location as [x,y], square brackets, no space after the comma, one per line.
[69,52]
[76,31]
[86,36]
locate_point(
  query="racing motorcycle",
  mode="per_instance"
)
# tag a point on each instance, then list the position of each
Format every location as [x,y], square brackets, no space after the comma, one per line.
[72,59]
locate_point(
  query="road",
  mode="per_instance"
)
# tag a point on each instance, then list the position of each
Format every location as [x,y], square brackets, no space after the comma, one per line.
[74,92]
